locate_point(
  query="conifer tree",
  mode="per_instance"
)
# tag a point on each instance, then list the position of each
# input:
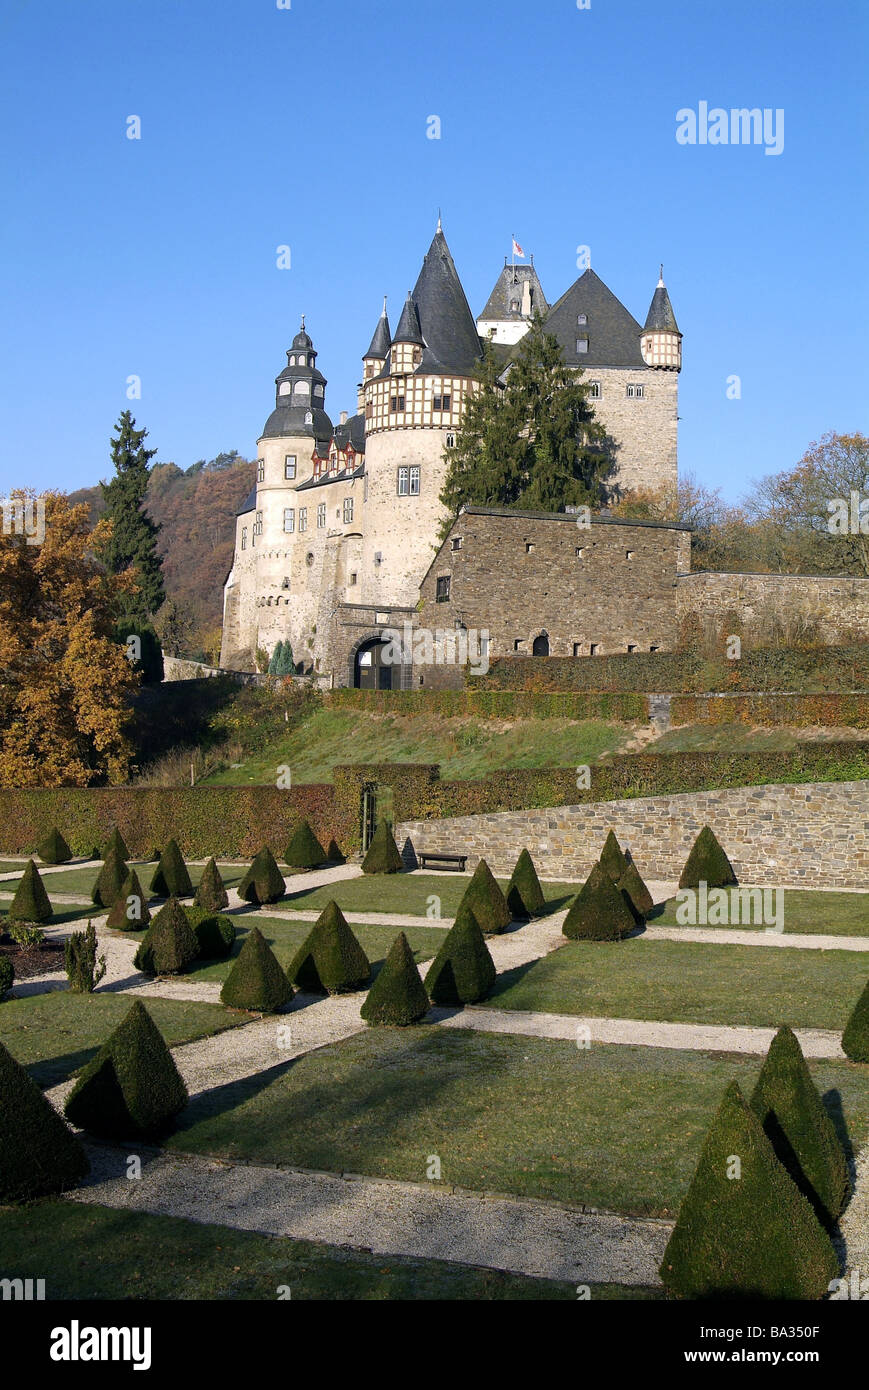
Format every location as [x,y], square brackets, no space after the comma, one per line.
[117,843]
[613,858]
[263,882]
[600,911]
[275,659]
[170,878]
[483,895]
[486,466]
[169,945]
[707,863]
[286,665]
[133,542]
[855,1039]
[304,850]
[383,855]
[524,894]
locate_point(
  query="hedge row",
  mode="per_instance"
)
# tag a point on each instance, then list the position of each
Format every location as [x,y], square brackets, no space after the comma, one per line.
[843,668]
[497,704]
[235,822]
[797,711]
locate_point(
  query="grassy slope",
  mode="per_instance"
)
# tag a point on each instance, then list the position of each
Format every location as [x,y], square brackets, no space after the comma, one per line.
[614,1127]
[672,981]
[84,1252]
[804,911]
[462,747]
[54,1034]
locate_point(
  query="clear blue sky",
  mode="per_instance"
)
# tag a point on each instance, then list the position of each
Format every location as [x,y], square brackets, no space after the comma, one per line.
[307,127]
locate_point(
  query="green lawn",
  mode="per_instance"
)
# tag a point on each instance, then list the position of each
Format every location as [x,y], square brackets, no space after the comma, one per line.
[408,893]
[804,911]
[54,1034]
[92,1252]
[615,1127]
[687,982]
[467,747]
[8,866]
[285,938]
[79,882]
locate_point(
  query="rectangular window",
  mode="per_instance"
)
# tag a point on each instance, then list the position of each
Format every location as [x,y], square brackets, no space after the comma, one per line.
[635,392]
[289,518]
[582,345]
[321,514]
[577,649]
[456,543]
[414,481]
[303,518]
[396,403]
[594,648]
[369,410]
[403,482]
[259,523]
[443,589]
[260,470]
[595,391]
[353,578]
[244,538]
[348,510]
[441,402]
[290,467]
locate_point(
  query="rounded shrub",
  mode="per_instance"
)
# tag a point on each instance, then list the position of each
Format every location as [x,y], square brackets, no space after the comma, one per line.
[855,1039]
[263,882]
[54,849]
[214,932]
[110,880]
[7,975]
[786,1101]
[707,863]
[256,981]
[130,910]
[751,1235]
[170,878]
[613,859]
[304,850]
[30,902]
[636,892]
[398,994]
[485,899]
[600,911]
[132,1088]
[39,1154]
[330,960]
[169,945]
[382,856]
[524,895]
[463,971]
[211,894]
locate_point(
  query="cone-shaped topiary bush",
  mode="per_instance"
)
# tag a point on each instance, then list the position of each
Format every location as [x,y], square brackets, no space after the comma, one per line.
[83,970]
[795,1122]
[256,981]
[132,1088]
[707,863]
[116,843]
[330,960]
[263,882]
[613,859]
[524,894]
[486,901]
[130,910]
[7,975]
[304,850]
[855,1039]
[600,911]
[39,1153]
[169,945]
[30,903]
[54,849]
[334,854]
[214,932]
[632,885]
[170,878]
[463,970]
[382,856]
[210,892]
[398,994]
[109,881]
[745,1231]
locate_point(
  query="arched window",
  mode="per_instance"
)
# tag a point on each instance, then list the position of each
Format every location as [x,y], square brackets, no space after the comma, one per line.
[540,645]
[301,388]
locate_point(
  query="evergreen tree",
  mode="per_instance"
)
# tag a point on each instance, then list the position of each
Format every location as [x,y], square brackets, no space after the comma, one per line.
[39,1153]
[211,892]
[275,659]
[463,971]
[286,666]
[524,895]
[257,981]
[132,1088]
[30,902]
[398,995]
[133,542]
[487,464]
[54,848]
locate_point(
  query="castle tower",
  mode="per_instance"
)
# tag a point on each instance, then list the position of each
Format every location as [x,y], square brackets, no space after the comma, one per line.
[516,296]
[661,343]
[413,404]
[377,353]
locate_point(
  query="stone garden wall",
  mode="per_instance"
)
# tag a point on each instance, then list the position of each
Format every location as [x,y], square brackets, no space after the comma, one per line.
[815,834]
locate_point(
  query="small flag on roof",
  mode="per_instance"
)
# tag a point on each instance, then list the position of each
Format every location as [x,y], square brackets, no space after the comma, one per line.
[517,249]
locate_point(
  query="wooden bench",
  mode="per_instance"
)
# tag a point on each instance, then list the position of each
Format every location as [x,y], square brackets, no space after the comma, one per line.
[454,862]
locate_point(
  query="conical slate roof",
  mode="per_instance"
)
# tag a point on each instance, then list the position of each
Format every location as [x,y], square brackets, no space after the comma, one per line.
[660,317]
[613,334]
[381,341]
[451,339]
[409,330]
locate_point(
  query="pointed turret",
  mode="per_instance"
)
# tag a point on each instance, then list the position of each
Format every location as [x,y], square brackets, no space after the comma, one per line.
[381,340]
[661,342]
[409,330]
[452,342]
[405,354]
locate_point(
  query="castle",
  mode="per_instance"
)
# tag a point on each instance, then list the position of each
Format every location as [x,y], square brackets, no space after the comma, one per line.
[341,528]
[338,544]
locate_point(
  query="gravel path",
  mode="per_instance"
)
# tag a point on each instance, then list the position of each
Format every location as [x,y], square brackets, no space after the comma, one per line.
[387,1218]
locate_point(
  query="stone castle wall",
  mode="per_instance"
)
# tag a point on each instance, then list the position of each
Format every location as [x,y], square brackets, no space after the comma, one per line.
[812,834]
[645,428]
[840,605]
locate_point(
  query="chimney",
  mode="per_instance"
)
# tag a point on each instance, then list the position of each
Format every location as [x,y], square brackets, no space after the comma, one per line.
[343,417]
[526,299]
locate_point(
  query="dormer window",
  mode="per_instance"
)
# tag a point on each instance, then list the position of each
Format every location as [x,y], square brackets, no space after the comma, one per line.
[582,319]
[514,306]
[581,345]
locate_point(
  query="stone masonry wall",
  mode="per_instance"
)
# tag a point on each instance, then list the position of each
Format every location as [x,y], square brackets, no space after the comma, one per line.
[645,427]
[840,604]
[812,834]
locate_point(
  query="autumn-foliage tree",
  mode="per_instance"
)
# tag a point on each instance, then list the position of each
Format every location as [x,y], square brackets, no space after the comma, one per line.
[65,684]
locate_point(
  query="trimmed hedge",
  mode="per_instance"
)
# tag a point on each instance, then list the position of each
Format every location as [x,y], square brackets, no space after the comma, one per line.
[256,981]
[116,844]
[463,971]
[109,882]
[214,932]
[524,895]
[484,897]
[616,707]
[132,1088]
[54,849]
[170,879]
[786,1101]
[304,850]
[612,857]
[855,1039]
[398,995]
[632,885]
[832,711]
[30,902]
[210,892]
[169,945]
[383,855]
[600,911]
[39,1154]
[707,863]
[752,1236]
[263,882]
[119,917]
[330,959]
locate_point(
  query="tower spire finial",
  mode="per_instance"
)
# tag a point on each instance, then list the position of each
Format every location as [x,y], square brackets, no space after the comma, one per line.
[661,276]
[440,228]
[383,310]
[302,329]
